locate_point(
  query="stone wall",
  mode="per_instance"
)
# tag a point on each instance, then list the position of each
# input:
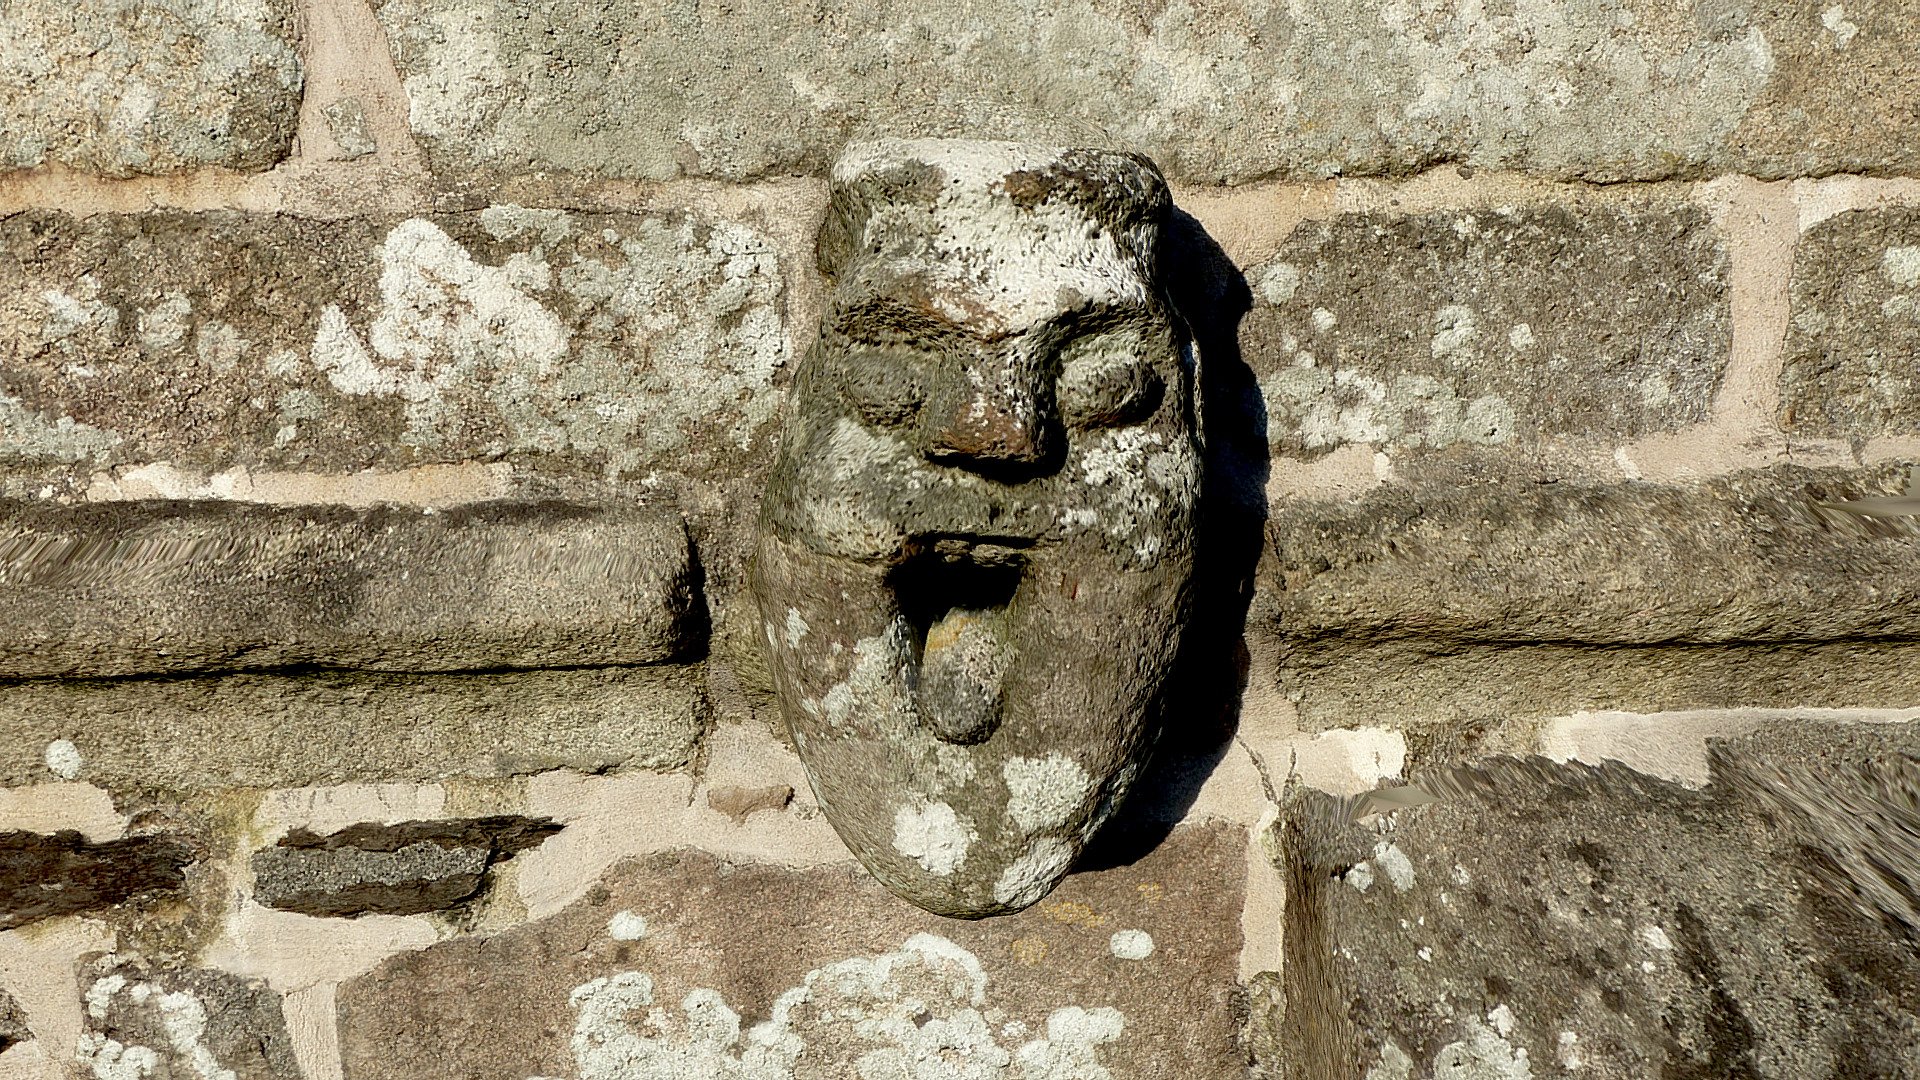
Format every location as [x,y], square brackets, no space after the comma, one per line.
[1533,335]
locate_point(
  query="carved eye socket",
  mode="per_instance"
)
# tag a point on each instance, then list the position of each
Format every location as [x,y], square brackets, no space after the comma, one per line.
[886,387]
[1106,382]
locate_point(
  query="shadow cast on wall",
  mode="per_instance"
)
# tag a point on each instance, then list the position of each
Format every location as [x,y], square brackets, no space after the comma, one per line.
[1201,707]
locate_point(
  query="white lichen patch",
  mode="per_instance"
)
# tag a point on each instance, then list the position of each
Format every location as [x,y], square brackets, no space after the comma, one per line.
[1837,24]
[669,329]
[626,926]
[1484,1055]
[917,1013]
[1325,407]
[1901,265]
[875,693]
[1501,1017]
[1131,944]
[1455,331]
[1360,876]
[63,759]
[1133,473]
[1395,864]
[1028,877]
[181,1015]
[1278,283]
[934,836]
[966,241]
[1044,793]
[1394,1064]
[1656,937]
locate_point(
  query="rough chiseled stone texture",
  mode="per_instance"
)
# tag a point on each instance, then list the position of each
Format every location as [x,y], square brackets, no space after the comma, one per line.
[276,730]
[682,965]
[1465,600]
[219,339]
[399,869]
[44,875]
[1855,328]
[1543,920]
[150,1020]
[1489,327]
[122,87]
[1214,90]
[158,587]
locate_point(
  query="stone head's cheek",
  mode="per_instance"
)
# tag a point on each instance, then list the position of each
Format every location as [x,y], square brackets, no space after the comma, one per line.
[1133,491]
[838,651]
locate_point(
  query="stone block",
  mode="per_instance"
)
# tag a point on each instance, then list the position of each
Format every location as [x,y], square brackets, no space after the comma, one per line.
[1459,601]
[684,965]
[1214,90]
[144,1020]
[1543,920]
[1855,328]
[615,342]
[1489,327]
[125,87]
[292,730]
[43,875]
[159,587]
[402,869]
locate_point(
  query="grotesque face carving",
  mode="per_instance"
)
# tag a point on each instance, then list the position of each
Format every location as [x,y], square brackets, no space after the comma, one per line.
[977,542]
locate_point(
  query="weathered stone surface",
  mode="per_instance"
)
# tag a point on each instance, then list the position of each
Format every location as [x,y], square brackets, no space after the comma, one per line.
[682,965]
[151,587]
[1464,600]
[399,869]
[1214,90]
[977,542]
[1855,328]
[267,730]
[13,1023]
[121,87]
[144,1020]
[1541,920]
[612,341]
[44,875]
[1489,326]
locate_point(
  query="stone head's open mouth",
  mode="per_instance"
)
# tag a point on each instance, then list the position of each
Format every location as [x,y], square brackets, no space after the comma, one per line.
[954,593]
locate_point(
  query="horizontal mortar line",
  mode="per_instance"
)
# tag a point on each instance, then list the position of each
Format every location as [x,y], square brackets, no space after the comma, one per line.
[318,671]
[214,188]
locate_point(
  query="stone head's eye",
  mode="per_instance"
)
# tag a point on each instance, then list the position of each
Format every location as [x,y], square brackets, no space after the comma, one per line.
[1106,383]
[886,387]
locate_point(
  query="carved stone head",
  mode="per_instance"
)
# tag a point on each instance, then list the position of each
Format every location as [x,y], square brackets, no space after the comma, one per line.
[977,543]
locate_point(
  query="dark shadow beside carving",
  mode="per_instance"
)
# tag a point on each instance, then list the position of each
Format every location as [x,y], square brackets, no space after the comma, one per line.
[1202,706]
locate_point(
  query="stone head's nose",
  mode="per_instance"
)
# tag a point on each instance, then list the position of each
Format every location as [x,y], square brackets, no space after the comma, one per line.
[988,427]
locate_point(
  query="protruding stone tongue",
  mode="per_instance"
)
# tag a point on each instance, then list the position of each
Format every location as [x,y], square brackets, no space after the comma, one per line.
[961,675]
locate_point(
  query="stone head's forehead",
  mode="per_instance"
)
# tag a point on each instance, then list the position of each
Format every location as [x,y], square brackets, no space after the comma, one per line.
[999,235]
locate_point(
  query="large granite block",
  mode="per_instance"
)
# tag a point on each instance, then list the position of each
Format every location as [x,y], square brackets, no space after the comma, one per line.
[610,342]
[149,588]
[1215,90]
[685,965]
[122,87]
[1854,333]
[1489,327]
[1542,920]
[292,730]
[1464,599]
